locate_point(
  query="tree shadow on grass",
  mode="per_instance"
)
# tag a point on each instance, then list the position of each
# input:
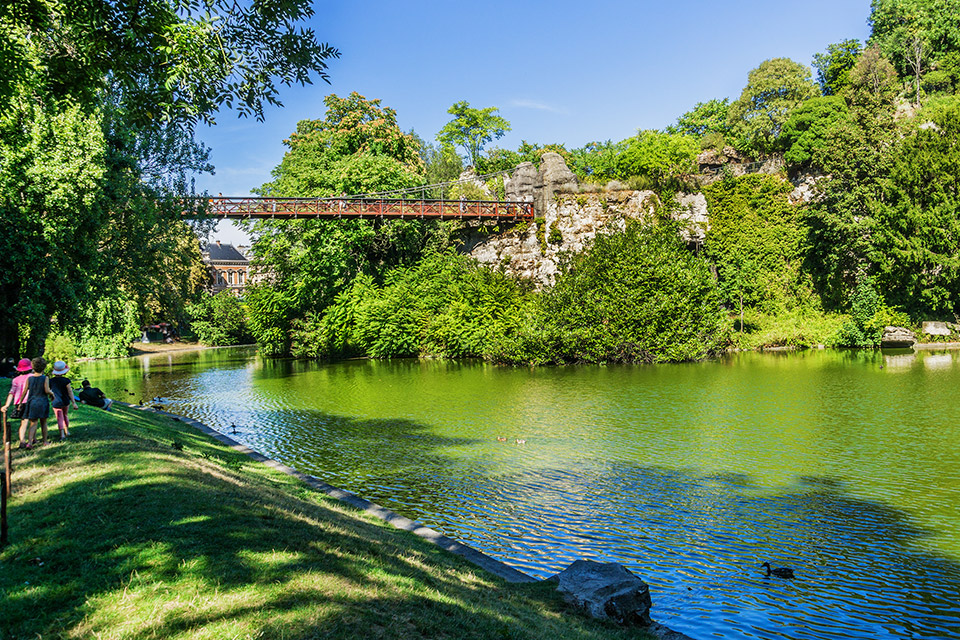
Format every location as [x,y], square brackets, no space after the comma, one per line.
[129,538]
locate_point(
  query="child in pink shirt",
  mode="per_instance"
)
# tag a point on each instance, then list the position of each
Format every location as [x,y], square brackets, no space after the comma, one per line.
[18,389]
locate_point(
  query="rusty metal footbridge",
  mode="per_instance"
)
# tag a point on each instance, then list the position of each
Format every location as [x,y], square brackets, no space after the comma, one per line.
[367,207]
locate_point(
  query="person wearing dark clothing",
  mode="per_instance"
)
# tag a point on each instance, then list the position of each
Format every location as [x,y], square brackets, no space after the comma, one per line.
[94,397]
[62,397]
[38,401]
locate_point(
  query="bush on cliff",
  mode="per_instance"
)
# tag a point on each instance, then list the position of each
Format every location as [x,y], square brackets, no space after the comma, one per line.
[634,296]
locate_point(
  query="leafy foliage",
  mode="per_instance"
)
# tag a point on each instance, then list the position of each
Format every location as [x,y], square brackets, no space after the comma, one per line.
[446,305]
[269,316]
[635,296]
[806,133]
[705,117]
[773,91]
[659,156]
[915,34]
[833,66]
[472,129]
[182,61]
[106,327]
[99,106]
[757,241]
[916,243]
[219,320]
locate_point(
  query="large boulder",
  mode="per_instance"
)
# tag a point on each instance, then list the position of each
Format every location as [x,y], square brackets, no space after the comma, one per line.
[896,337]
[693,214]
[521,185]
[931,328]
[554,176]
[606,591]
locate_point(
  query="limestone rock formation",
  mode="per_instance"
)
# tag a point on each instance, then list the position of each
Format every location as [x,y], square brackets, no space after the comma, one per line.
[693,213]
[521,185]
[554,177]
[606,591]
[469,175]
[896,337]
[932,328]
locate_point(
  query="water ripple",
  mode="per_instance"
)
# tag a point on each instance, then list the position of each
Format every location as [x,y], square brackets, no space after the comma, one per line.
[691,475]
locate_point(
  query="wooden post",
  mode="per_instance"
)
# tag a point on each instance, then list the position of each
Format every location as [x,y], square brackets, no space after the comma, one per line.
[6,457]
[3,513]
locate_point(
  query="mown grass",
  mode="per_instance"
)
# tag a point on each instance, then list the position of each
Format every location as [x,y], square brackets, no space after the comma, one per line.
[118,534]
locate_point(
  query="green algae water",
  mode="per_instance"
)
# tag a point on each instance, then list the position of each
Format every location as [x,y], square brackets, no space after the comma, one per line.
[842,465]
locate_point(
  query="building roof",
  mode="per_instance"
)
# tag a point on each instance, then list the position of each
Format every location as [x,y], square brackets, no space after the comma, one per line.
[219,252]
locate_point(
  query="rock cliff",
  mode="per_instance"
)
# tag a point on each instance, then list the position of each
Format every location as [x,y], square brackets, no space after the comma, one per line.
[569,216]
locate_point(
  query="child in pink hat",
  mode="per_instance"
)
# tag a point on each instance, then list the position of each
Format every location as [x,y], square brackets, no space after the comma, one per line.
[18,389]
[62,397]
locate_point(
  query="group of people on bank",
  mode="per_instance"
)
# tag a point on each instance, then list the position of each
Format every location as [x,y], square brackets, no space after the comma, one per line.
[32,393]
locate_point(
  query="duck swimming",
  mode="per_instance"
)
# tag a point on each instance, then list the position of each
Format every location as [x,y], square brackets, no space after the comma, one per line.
[780,572]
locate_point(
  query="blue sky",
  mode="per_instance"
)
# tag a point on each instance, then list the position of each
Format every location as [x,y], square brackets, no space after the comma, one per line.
[561,71]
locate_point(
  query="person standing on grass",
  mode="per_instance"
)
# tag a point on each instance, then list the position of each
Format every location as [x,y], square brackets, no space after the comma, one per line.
[62,397]
[17,396]
[38,401]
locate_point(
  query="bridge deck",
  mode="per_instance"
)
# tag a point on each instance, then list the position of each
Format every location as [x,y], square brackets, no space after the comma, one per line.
[281,208]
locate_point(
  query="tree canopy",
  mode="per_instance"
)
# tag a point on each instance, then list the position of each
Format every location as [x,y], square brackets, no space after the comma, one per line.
[773,91]
[833,65]
[472,129]
[98,106]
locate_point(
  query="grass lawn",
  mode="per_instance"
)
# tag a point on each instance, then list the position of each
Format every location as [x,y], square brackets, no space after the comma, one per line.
[118,534]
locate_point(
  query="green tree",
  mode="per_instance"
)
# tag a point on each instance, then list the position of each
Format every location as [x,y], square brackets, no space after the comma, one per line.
[181,61]
[806,132]
[915,34]
[705,117]
[442,163]
[658,155]
[357,148]
[98,105]
[472,129]
[856,157]
[834,65]
[219,320]
[773,91]
[916,246]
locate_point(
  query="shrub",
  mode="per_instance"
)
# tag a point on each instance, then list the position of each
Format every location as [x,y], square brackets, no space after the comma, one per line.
[218,320]
[105,328]
[268,319]
[60,346]
[446,305]
[634,296]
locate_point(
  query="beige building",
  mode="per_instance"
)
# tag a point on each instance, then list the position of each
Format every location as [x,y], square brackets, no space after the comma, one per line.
[229,269]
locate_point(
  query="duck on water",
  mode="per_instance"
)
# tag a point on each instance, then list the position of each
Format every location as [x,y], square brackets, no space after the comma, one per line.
[779,572]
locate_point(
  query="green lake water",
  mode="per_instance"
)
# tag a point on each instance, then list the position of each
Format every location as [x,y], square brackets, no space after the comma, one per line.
[842,465]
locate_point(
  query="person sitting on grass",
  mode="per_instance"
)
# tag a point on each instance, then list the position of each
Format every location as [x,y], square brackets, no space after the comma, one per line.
[94,397]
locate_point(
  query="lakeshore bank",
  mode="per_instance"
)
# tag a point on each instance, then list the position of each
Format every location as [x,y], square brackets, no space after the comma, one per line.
[141,526]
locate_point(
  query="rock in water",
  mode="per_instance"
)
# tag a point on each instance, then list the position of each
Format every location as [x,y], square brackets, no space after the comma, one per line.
[931,328]
[894,337]
[606,591]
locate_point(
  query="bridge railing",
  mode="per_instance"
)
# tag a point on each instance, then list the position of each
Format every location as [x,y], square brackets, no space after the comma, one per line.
[280,208]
